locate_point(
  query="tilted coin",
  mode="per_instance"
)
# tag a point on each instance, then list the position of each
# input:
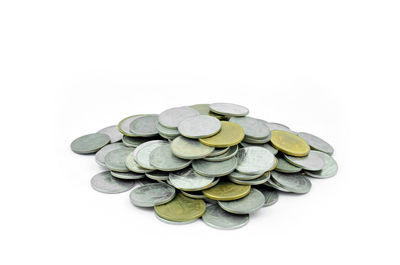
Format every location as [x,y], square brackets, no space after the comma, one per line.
[289,143]
[266,146]
[100,155]
[216,217]
[253,128]
[250,140]
[241,176]
[126,175]
[248,204]
[194,194]
[199,126]
[145,181]
[316,143]
[112,132]
[285,167]
[214,169]
[172,117]
[186,148]
[115,160]
[229,109]
[169,138]
[163,159]
[272,184]
[132,165]
[89,143]
[124,125]
[219,151]
[254,160]
[143,151]
[271,195]
[167,131]
[134,141]
[157,175]
[273,126]
[296,183]
[181,209]
[329,170]
[227,191]
[204,109]
[144,126]
[188,180]
[104,182]
[225,156]
[257,181]
[229,135]
[153,194]
[311,162]
[174,222]
[275,165]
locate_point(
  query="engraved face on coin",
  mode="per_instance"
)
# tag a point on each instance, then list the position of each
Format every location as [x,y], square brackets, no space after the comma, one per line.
[254,160]
[163,159]
[104,182]
[89,143]
[101,154]
[316,143]
[115,160]
[311,162]
[227,191]
[289,143]
[143,151]
[229,109]
[230,134]
[248,204]
[144,126]
[124,125]
[172,117]
[329,170]
[186,148]
[112,132]
[214,169]
[218,218]
[153,194]
[188,180]
[199,126]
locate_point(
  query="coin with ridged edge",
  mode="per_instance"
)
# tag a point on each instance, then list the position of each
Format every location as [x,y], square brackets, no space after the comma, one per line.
[112,132]
[316,143]
[289,143]
[248,204]
[329,170]
[311,162]
[199,126]
[227,191]
[229,135]
[296,183]
[188,180]
[104,182]
[150,195]
[115,160]
[254,160]
[163,159]
[214,169]
[186,148]
[218,218]
[172,117]
[89,143]
[229,109]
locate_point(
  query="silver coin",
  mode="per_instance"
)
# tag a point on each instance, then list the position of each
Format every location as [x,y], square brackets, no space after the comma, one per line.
[199,126]
[218,151]
[296,183]
[89,143]
[316,143]
[174,222]
[143,151]
[272,184]
[133,141]
[112,132]
[248,204]
[216,217]
[188,180]
[271,195]
[144,126]
[266,146]
[225,156]
[126,175]
[132,165]
[157,175]
[104,182]
[124,125]
[311,162]
[285,167]
[257,181]
[153,194]
[257,141]
[254,160]
[329,170]
[186,148]
[101,154]
[210,201]
[115,160]
[253,128]
[163,159]
[277,126]
[172,117]
[214,169]
[168,132]
[169,138]
[194,194]
[229,109]
[145,181]
[241,176]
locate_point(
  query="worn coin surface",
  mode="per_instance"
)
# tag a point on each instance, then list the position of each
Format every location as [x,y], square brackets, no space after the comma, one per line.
[172,117]
[227,191]
[248,204]
[271,195]
[285,167]
[132,165]
[296,183]
[167,131]
[89,143]
[163,159]
[311,162]
[115,160]
[253,128]
[104,182]
[101,154]
[225,156]
[229,109]
[153,194]
[329,170]
[157,175]
[257,181]
[181,209]
[188,180]
[316,143]
[144,126]
[124,125]
[272,184]
[214,169]
[189,148]
[133,141]
[254,160]
[289,143]
[229,135]
[199,126]
[220,219]
[112,132]
[143,151]
[126,175]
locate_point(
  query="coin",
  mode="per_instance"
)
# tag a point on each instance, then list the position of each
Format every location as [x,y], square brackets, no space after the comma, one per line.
[133,141]
[188,180]
[225,156]
[150,195]
[143,151]
[296,183]
[316,143]
[229,135]
[329,170]
[181,209]
[99,157]
[204,109]
[172,117]
[124,125]
[254,160]
[89,143]
[104,182]
[285,167]
[311,162]
[227,191]
[218,151]
[132,165]
[173,222]
[229,109]
[194,194]
[115,160]
[241,176]
[157,175]
[256,141]
[271,196]
[163,159]
[126,175]
[189,148]
[112,132]
[272,184]
[289,143]
[144,126]
[199,126]
[248,204]
[266,146]
[257,181]
[273,126]
[275,164]
[214,169]
[253,128]
[167,131]
[220,219]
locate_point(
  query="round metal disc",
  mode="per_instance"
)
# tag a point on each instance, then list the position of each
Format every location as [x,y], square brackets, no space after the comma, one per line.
[133,141]
[124,125]
[132,165]
[241,176]
[186,148]
[188,180]
[285,167]
[253,128]
[289,143]
[296,183]
[266,146]
[157,175]
[204,109]
[329,170]
[218,151]
[257,181]
[272,184]
[173,222]
[143,151]
[153,194]
[126,175]
[194,194]
[112,132]
[257,141]
[273,126]
[229,135]
[229,109]
[163,159]
[167,131]
[101,154]
[220,219]
[104,182]
[248,204]
[199,126]
[225,156]
[89,143]
[115,160]
[316,143]
[271,195]
[172,117]
[312,162]
[254,160]
[214,169]
[227,191]
[144,126]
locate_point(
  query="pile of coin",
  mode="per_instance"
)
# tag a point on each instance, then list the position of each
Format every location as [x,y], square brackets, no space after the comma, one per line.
[208,161]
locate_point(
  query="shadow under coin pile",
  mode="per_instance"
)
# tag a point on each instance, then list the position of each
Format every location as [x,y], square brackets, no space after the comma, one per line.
[208,161]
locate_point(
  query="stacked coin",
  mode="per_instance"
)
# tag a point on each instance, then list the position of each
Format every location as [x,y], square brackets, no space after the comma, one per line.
[208,161]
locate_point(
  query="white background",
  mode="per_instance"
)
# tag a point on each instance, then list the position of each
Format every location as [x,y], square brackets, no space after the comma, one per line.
[69,68]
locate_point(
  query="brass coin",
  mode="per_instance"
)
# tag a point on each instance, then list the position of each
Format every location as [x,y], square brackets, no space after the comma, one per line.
[181,209]
[229,135]
[289,143]
[227,191]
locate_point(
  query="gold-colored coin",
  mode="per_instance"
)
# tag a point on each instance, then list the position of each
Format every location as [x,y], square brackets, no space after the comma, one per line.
[204,109]
[289,143]
[181,209]
[230,134]
[227,191]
